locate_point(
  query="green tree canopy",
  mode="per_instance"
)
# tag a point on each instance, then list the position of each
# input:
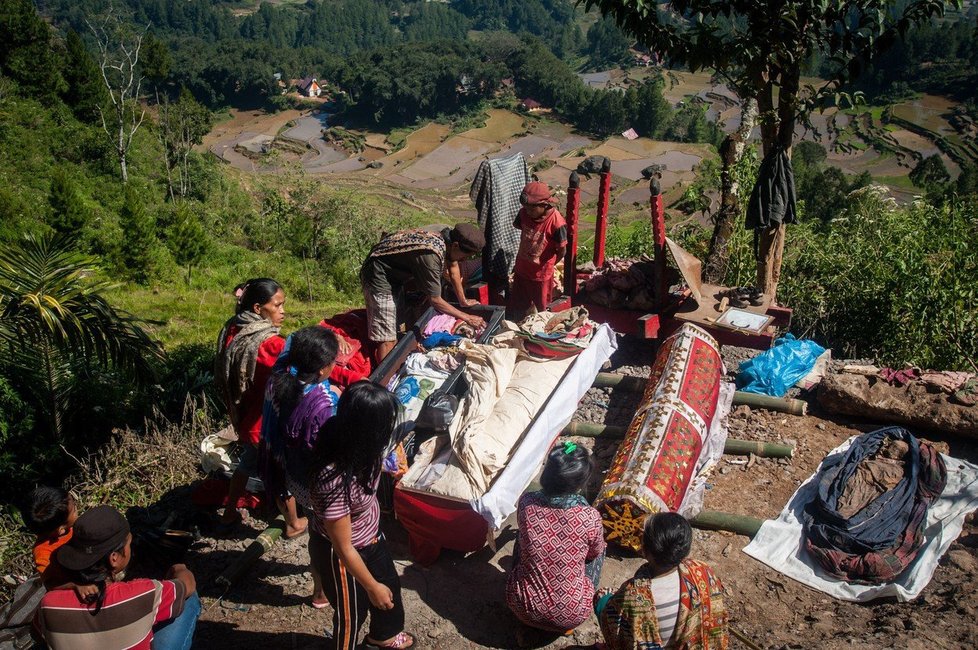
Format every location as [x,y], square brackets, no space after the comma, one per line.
[430,21]
[26,55]
[84,90]
[69,214]
[607,45]
[930,173]
[188,240]
[759,47]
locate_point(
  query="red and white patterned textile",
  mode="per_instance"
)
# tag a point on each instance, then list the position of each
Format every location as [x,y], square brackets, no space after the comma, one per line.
[674,438]
[548,587]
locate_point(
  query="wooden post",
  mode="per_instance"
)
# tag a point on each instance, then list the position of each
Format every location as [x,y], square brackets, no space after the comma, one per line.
[659,242]
[570,257]
[601,225]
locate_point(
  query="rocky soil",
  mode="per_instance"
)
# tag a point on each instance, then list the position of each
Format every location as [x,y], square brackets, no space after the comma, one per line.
[458,602]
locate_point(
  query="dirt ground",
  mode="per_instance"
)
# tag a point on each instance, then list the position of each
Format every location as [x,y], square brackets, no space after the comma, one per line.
[458,602]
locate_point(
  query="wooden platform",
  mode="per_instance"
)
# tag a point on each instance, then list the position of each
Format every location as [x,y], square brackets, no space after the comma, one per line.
[707,311]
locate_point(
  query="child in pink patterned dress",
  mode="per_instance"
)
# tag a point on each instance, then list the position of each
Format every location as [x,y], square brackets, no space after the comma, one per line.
[560,547]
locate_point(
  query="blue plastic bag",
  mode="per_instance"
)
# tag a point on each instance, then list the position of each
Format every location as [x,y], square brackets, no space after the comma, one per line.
[776,370]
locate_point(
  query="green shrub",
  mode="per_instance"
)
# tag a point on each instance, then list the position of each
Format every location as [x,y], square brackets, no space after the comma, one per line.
[188,372]
[897,283]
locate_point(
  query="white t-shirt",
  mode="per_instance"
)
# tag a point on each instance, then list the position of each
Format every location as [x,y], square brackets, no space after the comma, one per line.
[665,591]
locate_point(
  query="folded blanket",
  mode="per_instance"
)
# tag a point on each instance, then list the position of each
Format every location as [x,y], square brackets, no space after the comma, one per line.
[875,544]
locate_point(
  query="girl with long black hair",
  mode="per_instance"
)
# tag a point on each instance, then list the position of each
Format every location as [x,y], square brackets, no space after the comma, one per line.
[299,399]
[346,546]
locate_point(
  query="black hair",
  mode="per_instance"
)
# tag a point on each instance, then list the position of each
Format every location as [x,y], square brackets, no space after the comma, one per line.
[666,539]
[568,468]
[256,291]
[47,509]
[99,575]
[350,444]
[312,348]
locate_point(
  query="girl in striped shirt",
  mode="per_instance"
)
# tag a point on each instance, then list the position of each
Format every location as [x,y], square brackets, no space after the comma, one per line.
[346,546]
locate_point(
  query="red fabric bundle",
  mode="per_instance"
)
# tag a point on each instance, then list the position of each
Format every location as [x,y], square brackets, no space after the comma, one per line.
[357,364]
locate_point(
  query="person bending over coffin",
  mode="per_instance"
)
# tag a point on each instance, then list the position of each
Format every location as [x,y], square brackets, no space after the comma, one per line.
[413,260]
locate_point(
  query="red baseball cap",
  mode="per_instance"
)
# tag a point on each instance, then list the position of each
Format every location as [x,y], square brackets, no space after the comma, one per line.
[535,193]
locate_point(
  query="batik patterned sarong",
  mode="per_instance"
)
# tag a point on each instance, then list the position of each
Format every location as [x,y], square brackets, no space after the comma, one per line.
[661,450]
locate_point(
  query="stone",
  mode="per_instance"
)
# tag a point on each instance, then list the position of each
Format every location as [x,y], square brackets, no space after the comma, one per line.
[909,405]
[963,559]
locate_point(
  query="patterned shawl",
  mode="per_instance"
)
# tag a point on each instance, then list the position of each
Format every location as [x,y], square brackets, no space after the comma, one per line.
[628,620]
[405,241]
[234,365]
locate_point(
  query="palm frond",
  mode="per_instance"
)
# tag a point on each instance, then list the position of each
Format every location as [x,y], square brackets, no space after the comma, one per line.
[48,296]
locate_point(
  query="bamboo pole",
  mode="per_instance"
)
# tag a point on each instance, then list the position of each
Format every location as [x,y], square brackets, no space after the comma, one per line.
[732,446]
[736,447]
[714,520]
[779,404]
[265,540]
[626,382]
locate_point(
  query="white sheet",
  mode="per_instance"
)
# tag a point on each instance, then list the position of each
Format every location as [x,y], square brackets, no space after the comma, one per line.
[500,501]
[778,543]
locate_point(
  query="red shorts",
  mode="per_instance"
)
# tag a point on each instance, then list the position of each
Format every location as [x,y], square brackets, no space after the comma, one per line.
[525,292]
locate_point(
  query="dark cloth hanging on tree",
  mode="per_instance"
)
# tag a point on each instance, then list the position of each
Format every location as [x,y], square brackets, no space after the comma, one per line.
[772,201]
[878,542]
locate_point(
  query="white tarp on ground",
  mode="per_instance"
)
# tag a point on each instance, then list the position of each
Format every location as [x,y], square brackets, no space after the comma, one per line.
[779,543]
[500,501]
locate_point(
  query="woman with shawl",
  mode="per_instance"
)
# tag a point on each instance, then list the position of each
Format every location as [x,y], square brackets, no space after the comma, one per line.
[247,347]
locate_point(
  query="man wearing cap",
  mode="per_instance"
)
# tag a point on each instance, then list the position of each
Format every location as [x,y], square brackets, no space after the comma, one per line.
[543,240]
[143,614]
[413,259]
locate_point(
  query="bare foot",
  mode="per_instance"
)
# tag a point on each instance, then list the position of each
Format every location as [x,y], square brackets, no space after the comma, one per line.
[300,528]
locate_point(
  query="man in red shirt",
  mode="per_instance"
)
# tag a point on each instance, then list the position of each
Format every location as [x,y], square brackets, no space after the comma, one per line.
[543,240]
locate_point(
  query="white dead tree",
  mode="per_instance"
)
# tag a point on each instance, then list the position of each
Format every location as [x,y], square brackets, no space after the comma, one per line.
[119,63]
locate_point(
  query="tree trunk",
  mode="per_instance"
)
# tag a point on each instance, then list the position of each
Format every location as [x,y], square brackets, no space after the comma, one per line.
[726,217]
[122,156]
